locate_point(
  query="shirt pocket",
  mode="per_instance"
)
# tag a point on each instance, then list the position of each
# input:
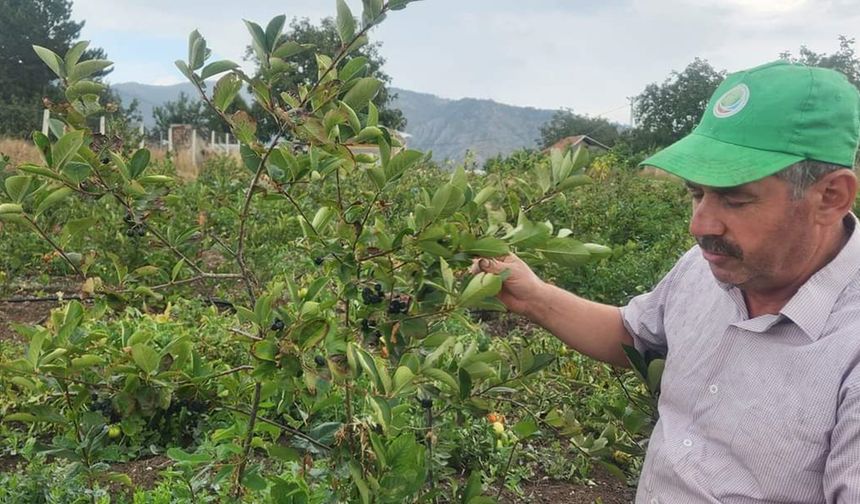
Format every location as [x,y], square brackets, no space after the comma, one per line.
[773,460]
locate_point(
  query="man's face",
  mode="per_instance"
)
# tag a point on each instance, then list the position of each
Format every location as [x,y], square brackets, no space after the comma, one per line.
[754,236]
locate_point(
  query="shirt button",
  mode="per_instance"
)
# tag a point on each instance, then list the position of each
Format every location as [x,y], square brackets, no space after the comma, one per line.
[688,442]
[714,388]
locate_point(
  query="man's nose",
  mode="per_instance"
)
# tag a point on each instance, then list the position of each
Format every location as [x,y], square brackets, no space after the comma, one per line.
[706,218]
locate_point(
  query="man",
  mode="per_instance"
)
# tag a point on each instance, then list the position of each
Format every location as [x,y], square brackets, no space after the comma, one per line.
[760,322]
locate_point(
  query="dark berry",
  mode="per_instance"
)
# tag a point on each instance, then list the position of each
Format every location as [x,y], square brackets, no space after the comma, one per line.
[277,325]
[319,360]
[128,218]
[378,288]
[426,403]
[141,230]
[130,232]
[318,261]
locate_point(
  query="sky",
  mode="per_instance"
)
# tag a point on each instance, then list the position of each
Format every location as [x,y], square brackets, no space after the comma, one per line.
[586,55]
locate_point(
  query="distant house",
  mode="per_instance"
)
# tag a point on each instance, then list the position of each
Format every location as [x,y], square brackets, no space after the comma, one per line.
[593,146]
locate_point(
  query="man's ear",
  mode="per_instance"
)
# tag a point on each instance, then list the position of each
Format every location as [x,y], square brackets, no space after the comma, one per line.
[836,192]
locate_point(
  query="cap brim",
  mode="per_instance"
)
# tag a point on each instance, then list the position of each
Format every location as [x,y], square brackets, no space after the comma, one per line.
[709,162]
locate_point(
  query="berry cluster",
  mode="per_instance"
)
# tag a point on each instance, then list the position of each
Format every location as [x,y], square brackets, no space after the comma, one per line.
[134,227]
[372,296]
[277,325]
[398,304]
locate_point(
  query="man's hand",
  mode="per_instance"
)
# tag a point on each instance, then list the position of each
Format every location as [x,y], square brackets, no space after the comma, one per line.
[522,286]
[591,328]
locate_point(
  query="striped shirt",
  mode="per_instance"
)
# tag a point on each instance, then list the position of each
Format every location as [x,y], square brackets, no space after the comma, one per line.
[753,410]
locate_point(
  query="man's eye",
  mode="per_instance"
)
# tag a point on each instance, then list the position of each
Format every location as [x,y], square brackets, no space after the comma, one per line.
[735,204]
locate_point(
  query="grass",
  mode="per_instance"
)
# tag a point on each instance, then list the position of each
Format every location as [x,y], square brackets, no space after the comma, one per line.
[19,151]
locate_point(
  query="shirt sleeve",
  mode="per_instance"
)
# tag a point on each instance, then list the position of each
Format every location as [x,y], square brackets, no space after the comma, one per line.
[842,471]
[643,315]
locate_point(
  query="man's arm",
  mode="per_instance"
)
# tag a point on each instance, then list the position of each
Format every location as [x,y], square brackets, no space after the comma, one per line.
[842,472]
[593,329]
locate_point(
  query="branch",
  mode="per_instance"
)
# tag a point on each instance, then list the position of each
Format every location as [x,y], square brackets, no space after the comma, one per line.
[55,246]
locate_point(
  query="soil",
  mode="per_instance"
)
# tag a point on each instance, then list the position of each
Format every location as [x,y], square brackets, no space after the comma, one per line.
[607,489]
[144,473]
[29,312]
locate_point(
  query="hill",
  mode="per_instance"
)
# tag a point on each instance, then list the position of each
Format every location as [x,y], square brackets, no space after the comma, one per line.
[447,127]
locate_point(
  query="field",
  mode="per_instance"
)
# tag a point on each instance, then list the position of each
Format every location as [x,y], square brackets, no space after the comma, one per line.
[170,436]
[301,324]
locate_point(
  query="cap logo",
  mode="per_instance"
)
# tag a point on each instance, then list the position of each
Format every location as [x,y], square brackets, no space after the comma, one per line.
[732,101]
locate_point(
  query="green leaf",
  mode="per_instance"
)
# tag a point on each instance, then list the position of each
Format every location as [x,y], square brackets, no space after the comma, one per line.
[345,22]
[196,50]
[273,31]
[447,274]
[284,453]
[244,126]
[52,60]
[525,428]
[362,92]
[574,181]
[598,251]
[360,483]
[489,246]
[83,87]
[87,361]
[402,377]
[66,147]
[372,115]
[183,67]
[138,163]
[74,54]
[444,377]
[465,383]
[250,158]
[289,49]
[655,375]
[353,67]
[18,187]
[226,90]
[38,170]
[87,68]
[53,198]
[145,357]
[402,162]
[484,194]
[564,251]
[258,40]
[482,285]
[527,234]
[446,200]
[217,67]
[637,361]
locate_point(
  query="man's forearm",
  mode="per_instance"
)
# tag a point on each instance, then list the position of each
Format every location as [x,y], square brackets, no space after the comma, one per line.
[593,329]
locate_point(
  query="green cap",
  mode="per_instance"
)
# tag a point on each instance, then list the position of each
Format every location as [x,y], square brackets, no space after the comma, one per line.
[762,120]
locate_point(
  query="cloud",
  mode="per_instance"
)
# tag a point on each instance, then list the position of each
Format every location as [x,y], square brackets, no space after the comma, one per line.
[582,54]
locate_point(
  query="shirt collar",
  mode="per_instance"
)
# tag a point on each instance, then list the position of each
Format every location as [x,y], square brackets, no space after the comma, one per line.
[811,305]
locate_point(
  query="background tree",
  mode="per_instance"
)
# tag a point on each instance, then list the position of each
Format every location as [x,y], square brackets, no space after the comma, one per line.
[186,110]
[666,112]
[324,39]
[565,123]
[24,78]
[844,59]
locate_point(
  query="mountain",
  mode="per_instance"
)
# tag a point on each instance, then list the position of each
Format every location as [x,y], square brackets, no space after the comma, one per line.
[451,127]
[447,127]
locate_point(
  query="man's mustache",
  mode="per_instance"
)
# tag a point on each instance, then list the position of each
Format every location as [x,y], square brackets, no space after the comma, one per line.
[717,245]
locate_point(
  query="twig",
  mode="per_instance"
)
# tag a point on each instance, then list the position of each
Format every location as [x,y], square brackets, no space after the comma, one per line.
[246,449]
[56,247]
[285,428]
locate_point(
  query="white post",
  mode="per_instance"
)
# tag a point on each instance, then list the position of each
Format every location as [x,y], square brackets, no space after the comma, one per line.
[194,148]
[212,141]
[227,140]
[46,121]
[169,138]
[142,133]
[102,128]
